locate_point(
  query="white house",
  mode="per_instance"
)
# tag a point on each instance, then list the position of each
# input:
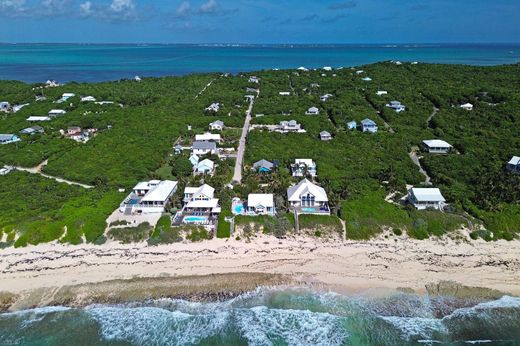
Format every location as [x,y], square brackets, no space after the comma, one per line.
[260,204]
[149,197]
[289,126]
[426,198]
[200,201]
[204,148]
[327,68]
[9,138]
[205,167]
[38,118]
[56,112]
[216,126]
[65,97]
[396,106]
[308,198]
[467,106]
[367,79]
[194,159]
[368,125]
[325,97]
[382,92]
[437,146]
[284,93]
[88,99]
[5,106]
[254,79]
[514,165]
[325,136]
[360,72]
[302,166]
[51,84]
[214,107]
[208,137]
[32,130]
[313,111]
[301,68]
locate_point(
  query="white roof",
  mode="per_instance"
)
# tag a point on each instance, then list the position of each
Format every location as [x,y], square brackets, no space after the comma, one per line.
[88,98]
[428,195]
[313,109]
[205,190]
[515,160]
[57,111]
[466,105]
[307,162]
[143,185]
[161,192]
[207,137]
[68,95]
[34,118]
[212,203]
[305,186]
[208,163]
[256,199]
[437,143]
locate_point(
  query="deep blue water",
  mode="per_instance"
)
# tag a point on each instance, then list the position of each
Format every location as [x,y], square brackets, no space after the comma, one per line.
[90,63]
[273,317]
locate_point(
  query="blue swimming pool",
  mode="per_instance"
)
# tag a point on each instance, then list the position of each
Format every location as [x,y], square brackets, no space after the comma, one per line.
[194,219]
[238,209]
[309,210]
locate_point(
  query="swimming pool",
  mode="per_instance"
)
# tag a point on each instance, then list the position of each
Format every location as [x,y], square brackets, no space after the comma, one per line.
[238,209]
[194,219]
[309,210]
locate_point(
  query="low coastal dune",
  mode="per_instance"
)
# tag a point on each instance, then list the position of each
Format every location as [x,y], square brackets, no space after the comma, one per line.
[44,271]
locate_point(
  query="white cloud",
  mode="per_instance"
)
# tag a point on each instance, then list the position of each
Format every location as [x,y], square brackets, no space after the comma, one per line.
[115,11]
[85,9]
[184,9]
[122,6]
[209,7]
[12,5]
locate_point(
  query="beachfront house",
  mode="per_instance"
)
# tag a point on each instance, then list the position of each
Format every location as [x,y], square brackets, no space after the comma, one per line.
[382,93]
[56,113]
[368,125]
[199,207]
[205,167]
[260,204]
[437,146]
[325,136]
[216,126]
[308,198]
[5,106]
[38,118]
[289,126]
[9,138]
[303,168]
[396,106]
[467,106]
[204,148]
[514,165]
[213,108]
[352,125]
[32,130]
[313,111]
[426,198]
[208,137]
[263,166]
[149,197]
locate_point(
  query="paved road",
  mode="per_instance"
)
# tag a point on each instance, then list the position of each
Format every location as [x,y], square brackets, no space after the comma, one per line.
[38,170]
[237,176]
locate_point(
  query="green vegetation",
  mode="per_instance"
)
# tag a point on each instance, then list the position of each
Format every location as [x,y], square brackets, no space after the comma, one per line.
[130,234]
[198,234]
[320,225]
[357,170]
[164,233]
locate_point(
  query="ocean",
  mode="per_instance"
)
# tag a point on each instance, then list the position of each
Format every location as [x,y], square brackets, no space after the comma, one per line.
[94,62]
[287,316]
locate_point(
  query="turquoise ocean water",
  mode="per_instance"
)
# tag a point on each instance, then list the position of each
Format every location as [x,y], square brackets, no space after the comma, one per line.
[273,317]
[91,63]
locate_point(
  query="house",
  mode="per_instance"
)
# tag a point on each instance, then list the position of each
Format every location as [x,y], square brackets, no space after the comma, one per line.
[32,130]
[213,108]
[360,72]
[436,146]
[137,79]
[200,202]
[367,79]
[56,112]
[88,99]
[308,198]
[514,165]
[204,148]
[325,136]
[205,167]
[73,131]
[216,126]
[303,167]
[396,106]
[426,198]
[301,68]
[194,159]
[381,93]
[368,125]
[5,106]
[16,108]
[263,166]
[352,125]
[208,137]
[177,149]
[149,197]
[254,79]
[37,118]
[325,97]
[289,126]
[51,84]
[9,138]
[313,111]
[260,204]
[284,93]
[467,106]
[65,97]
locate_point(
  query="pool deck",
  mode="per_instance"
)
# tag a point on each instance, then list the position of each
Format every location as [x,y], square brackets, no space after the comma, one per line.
[307,211]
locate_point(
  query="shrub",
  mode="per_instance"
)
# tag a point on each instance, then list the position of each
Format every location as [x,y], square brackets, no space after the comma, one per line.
[131,234]
[198,234]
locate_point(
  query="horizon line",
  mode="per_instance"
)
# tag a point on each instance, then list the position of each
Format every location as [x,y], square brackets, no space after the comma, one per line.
[266,44]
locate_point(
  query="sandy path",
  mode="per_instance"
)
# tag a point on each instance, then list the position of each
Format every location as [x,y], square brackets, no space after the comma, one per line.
[342,266]
[38,170]
[237,175]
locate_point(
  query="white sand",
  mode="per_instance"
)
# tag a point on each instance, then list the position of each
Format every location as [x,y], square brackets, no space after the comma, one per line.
[346,265]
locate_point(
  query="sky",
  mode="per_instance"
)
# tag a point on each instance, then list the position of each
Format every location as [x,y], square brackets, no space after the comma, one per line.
[260,21]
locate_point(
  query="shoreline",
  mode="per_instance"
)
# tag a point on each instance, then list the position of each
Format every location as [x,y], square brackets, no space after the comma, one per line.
[52,274]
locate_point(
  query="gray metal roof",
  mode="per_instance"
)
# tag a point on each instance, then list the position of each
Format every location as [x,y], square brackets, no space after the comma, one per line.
[198,145]
[263,163]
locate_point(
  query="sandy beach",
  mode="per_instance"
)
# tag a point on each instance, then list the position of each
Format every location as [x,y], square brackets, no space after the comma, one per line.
[342,266]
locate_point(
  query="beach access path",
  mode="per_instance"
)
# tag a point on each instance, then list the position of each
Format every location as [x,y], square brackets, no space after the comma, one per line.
[38,170]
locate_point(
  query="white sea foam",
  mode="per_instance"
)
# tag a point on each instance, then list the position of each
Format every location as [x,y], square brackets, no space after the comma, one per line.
[263,326]
[416,326]
[36,311]
[506,302]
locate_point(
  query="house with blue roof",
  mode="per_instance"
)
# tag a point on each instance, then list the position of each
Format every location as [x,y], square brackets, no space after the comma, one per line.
[352,125]
[368,125]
